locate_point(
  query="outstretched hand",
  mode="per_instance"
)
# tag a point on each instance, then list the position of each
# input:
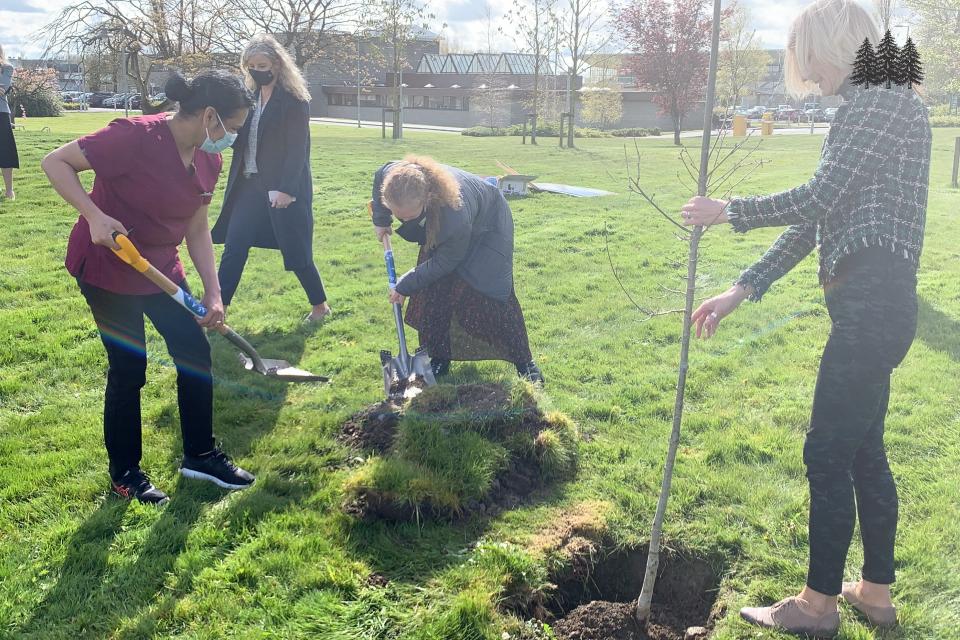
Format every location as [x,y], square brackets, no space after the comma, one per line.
[706,319]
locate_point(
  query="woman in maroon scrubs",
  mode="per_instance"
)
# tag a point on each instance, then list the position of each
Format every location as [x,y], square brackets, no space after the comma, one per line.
[155,176]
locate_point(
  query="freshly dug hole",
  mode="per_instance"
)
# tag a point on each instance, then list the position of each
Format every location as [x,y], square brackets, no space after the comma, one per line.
[601,606]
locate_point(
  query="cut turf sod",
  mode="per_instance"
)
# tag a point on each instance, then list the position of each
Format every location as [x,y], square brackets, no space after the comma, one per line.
[454,451]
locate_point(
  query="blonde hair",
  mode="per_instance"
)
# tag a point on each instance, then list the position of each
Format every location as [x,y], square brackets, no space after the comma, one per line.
[3,58]
[421,179]
[284,68]
[826,33]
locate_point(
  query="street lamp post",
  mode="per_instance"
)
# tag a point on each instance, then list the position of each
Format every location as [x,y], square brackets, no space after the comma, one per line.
[358,81]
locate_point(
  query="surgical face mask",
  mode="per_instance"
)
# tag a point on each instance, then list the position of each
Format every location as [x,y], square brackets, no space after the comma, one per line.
[262,78]
[221,145]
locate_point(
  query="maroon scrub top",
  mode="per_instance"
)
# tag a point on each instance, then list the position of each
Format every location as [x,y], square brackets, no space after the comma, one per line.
[140,181]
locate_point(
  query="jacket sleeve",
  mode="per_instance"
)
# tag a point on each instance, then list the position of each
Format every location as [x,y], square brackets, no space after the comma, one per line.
[452,248]
[6,78]
[381,215]
[863,137]
[296,131]
[791,247]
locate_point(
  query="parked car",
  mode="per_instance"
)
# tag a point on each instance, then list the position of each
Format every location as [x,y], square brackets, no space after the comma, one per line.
[756,112]
[70,96]
[787,115]
[829,113]
[97,97]
[118,101]
[815,114]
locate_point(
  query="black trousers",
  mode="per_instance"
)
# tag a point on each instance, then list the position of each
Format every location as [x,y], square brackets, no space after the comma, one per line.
[873,307]
[120,321]
[250,222]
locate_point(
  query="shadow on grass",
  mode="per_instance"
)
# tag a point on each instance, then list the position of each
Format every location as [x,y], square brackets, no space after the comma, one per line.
[414,554]
[94,596]
[939,331]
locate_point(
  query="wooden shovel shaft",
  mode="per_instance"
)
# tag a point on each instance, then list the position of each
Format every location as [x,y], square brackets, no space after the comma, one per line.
[129,254]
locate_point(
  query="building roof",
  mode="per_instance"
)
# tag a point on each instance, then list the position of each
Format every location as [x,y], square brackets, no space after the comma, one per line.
[483,63]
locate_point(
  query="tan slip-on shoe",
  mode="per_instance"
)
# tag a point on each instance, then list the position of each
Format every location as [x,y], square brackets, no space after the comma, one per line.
[787,616]
[314,319]
[884,617]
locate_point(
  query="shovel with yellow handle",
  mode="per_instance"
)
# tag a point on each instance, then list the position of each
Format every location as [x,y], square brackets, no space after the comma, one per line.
[251,360]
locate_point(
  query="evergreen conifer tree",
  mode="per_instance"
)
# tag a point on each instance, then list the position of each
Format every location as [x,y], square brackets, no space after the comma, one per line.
[863,66]
[910,70]
[888,54]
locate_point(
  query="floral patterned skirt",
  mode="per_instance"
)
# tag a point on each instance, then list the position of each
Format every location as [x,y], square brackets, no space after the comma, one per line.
[457,322]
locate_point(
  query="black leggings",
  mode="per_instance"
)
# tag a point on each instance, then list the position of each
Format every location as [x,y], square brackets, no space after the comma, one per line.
[251,222]
[120,321]
[873,306]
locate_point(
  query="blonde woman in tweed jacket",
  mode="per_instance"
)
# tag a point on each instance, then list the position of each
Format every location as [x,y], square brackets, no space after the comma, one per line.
[865,210]
[8,146]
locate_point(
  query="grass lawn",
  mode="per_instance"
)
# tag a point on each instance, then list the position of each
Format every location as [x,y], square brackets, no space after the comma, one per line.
[282,560]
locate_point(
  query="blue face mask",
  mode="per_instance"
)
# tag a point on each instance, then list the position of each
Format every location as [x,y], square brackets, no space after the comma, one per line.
[221,145]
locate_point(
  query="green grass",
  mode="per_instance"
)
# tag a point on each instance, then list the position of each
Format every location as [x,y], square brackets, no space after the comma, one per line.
[281,560]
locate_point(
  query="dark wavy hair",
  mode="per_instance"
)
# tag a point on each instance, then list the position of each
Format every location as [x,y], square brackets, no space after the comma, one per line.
[221,90]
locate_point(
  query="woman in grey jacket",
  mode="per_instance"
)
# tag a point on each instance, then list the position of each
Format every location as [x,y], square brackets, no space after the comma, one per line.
[8,146]
[462,300]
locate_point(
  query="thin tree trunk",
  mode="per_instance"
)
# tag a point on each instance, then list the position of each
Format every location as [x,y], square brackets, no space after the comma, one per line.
[653,554]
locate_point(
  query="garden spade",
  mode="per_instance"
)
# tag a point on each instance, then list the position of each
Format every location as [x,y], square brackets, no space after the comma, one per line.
[399,372]
[251,360]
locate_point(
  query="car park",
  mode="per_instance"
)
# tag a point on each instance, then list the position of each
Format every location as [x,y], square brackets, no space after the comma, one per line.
[787,115]
[96,98]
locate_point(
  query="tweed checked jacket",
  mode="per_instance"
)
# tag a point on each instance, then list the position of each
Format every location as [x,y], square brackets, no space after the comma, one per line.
[870,189]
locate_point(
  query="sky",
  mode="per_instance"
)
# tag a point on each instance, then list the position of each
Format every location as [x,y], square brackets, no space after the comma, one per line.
[467,27]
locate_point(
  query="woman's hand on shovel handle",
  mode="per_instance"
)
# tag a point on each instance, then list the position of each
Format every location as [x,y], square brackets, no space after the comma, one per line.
[396,298]
[706,319]
[215,313]
[102,228]
[383,232]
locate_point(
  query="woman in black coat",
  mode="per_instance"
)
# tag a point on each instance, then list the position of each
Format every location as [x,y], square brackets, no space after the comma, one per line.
[269,198]
[462,300]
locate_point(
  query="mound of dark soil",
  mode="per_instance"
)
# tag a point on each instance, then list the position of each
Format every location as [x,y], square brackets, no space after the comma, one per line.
[372,429]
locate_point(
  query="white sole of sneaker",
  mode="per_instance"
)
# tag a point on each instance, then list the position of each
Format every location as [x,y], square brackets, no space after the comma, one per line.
[198,475]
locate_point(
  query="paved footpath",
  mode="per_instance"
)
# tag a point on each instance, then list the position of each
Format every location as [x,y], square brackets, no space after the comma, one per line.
[369,124]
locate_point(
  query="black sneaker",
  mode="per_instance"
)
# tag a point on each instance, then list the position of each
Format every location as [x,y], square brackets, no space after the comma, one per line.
[217,468]
[439,367]
[531,372]
[135,484]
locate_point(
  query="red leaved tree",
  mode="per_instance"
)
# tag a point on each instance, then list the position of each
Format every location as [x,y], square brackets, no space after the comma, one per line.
[671,46]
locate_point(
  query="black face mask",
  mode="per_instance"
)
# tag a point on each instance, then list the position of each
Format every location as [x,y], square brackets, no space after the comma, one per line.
[261,77]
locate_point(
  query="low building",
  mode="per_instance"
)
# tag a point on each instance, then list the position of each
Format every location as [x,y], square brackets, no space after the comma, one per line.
[464,90]
[69,74]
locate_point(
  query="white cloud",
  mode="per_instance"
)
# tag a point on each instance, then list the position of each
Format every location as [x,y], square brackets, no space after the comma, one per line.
[18,28]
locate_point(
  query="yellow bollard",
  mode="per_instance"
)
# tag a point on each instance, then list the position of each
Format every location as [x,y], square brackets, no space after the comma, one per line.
[766,125]
[739,126]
